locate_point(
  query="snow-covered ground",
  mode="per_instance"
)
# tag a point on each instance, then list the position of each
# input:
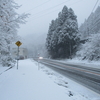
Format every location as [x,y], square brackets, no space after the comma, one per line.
[33,82]
[2,69]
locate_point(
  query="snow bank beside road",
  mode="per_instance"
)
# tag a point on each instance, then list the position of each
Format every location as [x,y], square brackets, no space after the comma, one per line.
[2,69]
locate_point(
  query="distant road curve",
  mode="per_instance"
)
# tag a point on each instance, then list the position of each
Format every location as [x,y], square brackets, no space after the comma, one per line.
[89,77]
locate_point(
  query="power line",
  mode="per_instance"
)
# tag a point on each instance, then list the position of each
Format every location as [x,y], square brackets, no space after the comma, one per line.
[75,2]
[38,6]
[95,5]
[53,11]
[45,14]
[92,18]
[99,4]
[56,6]
[51,7]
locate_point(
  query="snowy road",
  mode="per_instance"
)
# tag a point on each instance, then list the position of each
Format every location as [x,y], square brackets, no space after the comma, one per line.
[89,77]
[29,83]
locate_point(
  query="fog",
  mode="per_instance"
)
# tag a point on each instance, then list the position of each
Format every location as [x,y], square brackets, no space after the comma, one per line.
[34,32]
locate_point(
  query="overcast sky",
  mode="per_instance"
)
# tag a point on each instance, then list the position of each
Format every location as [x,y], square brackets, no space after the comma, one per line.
[43,11]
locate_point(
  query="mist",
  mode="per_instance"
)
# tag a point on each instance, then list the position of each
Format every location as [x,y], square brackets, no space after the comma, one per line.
[33,34]
[35,44]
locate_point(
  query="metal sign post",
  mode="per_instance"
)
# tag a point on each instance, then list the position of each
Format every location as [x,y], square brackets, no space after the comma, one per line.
[38,61]
[17,57]
[18,43]
[38,64]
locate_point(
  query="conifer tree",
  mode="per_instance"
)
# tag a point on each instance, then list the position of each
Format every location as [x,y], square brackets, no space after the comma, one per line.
[64,36]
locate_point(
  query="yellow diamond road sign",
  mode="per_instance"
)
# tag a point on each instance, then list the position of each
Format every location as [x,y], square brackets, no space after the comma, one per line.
[18,43]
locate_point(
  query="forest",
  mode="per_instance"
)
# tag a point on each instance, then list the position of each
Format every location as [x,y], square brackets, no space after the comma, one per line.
[66,40]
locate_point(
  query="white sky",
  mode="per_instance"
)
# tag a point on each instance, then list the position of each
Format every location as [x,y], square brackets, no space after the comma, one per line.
[43,11]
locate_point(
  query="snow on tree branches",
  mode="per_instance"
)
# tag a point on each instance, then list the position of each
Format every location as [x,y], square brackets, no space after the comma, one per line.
[9,23]
[91,49]
[62,37]
[89,34]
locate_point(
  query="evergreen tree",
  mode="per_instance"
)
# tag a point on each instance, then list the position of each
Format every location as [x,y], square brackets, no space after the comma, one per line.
[89,35]
[91,49]
[49,36]
[9,22]
[91,25]
[63,38]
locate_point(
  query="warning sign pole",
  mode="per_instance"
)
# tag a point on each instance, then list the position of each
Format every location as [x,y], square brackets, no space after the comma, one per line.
[17,57]
[18,43]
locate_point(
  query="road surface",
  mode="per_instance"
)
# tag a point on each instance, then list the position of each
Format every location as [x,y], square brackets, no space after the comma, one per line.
[89,77]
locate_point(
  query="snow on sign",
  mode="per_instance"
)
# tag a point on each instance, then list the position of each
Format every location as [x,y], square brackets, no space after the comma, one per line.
[18,43]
